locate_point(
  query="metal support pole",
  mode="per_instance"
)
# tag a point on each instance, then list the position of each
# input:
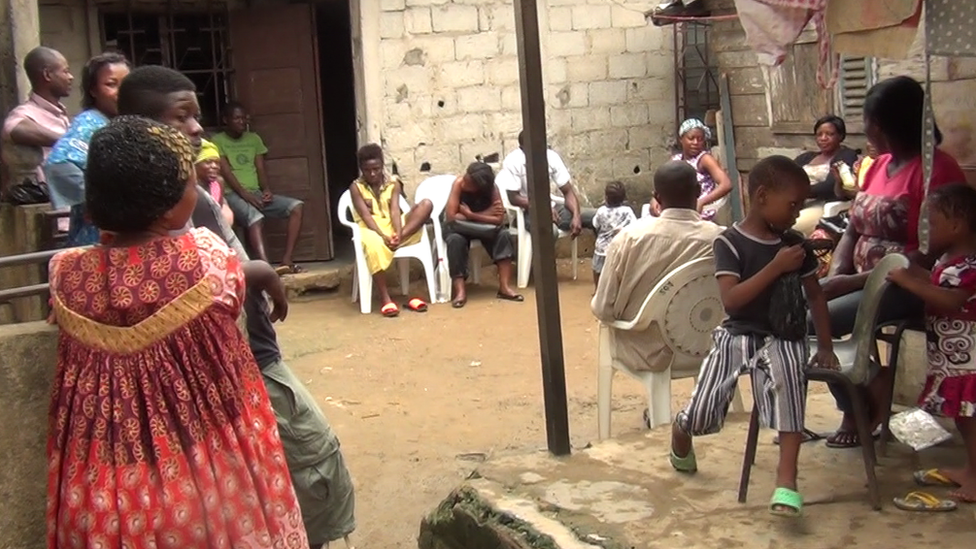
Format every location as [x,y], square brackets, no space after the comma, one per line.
[540,215]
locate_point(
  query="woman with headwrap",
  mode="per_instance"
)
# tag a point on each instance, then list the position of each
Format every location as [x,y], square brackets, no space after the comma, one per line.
[693,139]
[208,177]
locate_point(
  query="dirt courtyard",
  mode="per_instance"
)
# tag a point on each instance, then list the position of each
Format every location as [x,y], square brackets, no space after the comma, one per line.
[419,399]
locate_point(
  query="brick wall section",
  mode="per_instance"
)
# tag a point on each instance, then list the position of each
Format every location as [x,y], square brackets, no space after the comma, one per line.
[451,86]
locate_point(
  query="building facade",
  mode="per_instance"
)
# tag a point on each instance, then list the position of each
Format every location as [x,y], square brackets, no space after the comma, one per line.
[436,82]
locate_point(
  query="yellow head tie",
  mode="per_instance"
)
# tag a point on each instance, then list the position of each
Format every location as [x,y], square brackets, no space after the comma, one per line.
[208,151]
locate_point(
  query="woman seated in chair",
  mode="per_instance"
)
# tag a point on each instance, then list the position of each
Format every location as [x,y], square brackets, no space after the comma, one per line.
[474,212]
[830,132]
[376,208]
[692,148]
[884,218]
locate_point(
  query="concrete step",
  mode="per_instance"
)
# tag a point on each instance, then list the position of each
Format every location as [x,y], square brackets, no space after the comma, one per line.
[317,277]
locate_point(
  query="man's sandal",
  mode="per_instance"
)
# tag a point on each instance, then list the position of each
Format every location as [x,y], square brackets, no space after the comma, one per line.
[417,305]
[390,310]
[923,502]
[786,503]
[932,477]
[687,464]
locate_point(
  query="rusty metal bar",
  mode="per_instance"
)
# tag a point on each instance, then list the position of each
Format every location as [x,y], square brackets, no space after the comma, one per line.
[540,215]
[24,291]
[27,259]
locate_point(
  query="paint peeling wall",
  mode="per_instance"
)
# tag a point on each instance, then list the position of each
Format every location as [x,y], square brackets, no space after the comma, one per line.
[451,87]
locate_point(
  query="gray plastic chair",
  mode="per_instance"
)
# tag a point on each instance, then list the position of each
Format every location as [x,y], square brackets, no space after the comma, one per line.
[859,363]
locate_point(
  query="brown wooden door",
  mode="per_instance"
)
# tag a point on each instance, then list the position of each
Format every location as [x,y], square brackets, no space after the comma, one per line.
[275,60]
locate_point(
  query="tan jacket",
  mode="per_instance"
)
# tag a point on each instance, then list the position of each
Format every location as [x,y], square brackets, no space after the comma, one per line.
[637,259]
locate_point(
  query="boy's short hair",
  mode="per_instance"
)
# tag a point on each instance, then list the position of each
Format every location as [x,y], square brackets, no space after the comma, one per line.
[676,183]
[615,194]
[232,106]
[774,172]
[955,201]
[143,91]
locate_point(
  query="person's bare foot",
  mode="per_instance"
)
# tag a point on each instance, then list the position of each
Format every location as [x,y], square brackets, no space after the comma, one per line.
[460,294]
[966,493]
[680,441]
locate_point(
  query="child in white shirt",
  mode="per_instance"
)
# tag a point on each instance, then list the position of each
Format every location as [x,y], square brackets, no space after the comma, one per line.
[610,218]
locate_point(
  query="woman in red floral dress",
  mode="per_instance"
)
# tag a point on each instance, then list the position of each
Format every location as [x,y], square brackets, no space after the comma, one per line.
[161,434]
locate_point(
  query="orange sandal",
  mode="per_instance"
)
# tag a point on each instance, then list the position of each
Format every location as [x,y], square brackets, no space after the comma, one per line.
[390,310]
[417,305]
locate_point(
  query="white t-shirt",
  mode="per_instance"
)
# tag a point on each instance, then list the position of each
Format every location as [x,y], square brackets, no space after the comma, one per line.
[609,221]
[514,177]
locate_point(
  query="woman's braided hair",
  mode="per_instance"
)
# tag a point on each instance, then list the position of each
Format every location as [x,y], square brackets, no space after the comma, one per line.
[137,171]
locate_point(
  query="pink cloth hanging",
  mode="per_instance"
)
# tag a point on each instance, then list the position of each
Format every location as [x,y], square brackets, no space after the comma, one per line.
[772,25]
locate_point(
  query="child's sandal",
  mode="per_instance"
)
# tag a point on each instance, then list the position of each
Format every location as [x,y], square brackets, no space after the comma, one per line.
[786,503]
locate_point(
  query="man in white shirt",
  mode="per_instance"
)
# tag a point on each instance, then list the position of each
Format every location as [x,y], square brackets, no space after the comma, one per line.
[643,253]
[513,179]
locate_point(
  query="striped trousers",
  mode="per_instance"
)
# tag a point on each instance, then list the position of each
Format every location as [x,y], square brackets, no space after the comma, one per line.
[779,385]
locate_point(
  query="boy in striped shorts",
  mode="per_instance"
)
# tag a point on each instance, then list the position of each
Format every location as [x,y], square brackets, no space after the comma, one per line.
[761,280]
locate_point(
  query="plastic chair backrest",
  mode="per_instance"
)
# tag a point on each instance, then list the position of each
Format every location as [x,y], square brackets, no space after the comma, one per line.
[345,209]
[659,298]
[437,189]
[866,321]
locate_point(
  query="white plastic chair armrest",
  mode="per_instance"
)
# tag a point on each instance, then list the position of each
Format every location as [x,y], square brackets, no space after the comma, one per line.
[835,208]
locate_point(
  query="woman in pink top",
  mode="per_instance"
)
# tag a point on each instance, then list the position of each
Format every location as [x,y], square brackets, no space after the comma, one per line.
[883,219]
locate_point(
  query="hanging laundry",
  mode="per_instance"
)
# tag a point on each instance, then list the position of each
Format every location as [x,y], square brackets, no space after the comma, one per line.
[948,31]
[953,27]
[772,25]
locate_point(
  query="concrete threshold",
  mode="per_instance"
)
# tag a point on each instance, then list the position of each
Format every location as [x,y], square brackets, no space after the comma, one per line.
[622,493]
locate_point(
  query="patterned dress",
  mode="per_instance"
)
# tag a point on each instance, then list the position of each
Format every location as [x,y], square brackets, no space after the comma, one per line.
[707,184]
[161,433]
[886,210]
[950,389]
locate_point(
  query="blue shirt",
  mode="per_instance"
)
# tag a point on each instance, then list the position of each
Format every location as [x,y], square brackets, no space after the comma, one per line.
[73,145]
[65,166]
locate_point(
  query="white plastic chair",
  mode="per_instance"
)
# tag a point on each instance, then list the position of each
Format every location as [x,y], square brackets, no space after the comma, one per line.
[437,189]
[524,239]
[832,209]
[362,281]
[686,307]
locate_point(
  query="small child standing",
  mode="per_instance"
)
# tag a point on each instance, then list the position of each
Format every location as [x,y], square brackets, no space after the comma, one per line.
[763,270]
[949,293]
[609,219]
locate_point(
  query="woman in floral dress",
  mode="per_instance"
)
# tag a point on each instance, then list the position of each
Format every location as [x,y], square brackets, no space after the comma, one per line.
[161,433]
[884,219]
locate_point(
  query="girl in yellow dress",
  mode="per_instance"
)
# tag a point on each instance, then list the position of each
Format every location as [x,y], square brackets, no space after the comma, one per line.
[376,208]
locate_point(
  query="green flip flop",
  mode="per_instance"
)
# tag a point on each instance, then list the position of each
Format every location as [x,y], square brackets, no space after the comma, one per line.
[786,503]
[687,464]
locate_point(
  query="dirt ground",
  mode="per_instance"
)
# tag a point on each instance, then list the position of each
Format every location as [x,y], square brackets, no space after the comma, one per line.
[417,400]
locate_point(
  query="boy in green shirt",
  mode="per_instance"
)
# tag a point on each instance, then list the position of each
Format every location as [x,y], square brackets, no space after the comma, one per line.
[242,166]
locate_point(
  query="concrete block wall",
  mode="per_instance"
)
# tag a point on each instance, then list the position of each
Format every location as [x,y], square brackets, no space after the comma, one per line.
[451,86]
[65,27]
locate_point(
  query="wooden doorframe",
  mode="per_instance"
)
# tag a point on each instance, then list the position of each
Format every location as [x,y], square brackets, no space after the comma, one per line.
[240,93]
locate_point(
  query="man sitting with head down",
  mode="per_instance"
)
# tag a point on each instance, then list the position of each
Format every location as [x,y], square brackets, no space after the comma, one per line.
[643,253]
